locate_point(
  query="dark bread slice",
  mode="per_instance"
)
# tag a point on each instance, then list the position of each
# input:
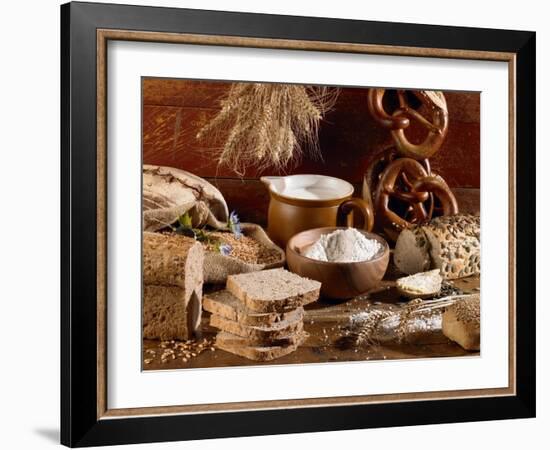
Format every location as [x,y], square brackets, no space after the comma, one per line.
[273,290]
[259,353]
[278,330]
[226,305]
[233,339]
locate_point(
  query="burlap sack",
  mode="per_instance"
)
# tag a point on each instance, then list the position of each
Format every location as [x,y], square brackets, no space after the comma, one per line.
[158,218]
[168,193]
[217,267]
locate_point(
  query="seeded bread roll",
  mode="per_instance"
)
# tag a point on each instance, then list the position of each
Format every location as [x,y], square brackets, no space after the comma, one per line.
[257,353]
[461,322]
[226,305]
[452,244]
[455,245]
[273,290]
[420,285]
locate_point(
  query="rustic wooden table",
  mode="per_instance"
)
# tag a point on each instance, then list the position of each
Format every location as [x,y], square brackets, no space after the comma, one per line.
[325,322]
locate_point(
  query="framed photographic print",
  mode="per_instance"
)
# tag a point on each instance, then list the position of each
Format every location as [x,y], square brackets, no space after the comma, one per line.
[276,224]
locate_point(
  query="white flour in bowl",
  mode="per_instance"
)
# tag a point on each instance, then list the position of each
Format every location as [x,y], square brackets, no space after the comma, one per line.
[347,245]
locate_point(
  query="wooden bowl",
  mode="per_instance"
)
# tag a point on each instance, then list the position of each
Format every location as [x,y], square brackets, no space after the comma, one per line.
[338,280]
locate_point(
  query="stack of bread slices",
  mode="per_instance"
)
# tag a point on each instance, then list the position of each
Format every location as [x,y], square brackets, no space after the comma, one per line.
[260,315]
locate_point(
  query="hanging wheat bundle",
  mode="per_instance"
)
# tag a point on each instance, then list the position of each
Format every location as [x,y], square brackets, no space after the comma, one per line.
[268,125]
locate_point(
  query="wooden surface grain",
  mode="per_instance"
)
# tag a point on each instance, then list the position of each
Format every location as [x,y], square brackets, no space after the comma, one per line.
[326,322]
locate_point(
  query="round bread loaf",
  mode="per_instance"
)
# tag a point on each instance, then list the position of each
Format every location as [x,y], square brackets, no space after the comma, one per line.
[460,322]
[448,243]
[168,193]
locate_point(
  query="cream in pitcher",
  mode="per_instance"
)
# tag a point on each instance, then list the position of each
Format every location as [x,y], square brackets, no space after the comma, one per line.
[302,202]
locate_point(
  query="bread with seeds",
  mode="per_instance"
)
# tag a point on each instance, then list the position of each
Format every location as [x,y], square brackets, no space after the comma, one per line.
[448,243]
[461,322]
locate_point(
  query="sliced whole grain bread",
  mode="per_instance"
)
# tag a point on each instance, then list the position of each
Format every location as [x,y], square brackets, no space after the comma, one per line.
[258,353]
[226,305]
[273,290]
[268,333]
[233,339]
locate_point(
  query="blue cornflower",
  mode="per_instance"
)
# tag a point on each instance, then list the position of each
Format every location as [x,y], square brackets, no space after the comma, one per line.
[225,249]
[234,224]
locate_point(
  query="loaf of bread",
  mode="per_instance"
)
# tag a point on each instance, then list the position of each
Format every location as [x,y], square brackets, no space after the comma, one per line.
[169,313]
[169,192]
[448,243]
[172,286]
[273,290]
[461,322]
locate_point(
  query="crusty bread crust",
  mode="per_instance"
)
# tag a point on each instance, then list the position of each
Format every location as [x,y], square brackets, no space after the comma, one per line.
[461,322]
[451,243]
[455,245]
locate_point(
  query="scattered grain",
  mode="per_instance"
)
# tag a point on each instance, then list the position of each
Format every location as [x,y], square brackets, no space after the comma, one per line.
[246,248]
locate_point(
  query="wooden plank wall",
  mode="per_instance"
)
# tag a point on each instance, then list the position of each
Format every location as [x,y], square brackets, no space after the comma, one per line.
[174,110]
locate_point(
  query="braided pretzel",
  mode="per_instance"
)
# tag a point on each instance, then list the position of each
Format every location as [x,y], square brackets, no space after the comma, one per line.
[406,181]
[401,118]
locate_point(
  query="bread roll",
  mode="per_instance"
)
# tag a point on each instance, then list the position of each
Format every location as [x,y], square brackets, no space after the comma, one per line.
[448,243]
[461,322]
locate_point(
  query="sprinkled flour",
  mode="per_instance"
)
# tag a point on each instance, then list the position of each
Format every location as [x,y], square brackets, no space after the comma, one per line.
[347,245]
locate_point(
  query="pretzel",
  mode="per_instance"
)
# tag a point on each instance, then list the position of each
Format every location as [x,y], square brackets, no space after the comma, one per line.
[415,189]
[377,166]
[400,120]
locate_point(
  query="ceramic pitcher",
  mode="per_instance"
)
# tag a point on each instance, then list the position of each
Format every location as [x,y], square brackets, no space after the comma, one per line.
[303,202]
